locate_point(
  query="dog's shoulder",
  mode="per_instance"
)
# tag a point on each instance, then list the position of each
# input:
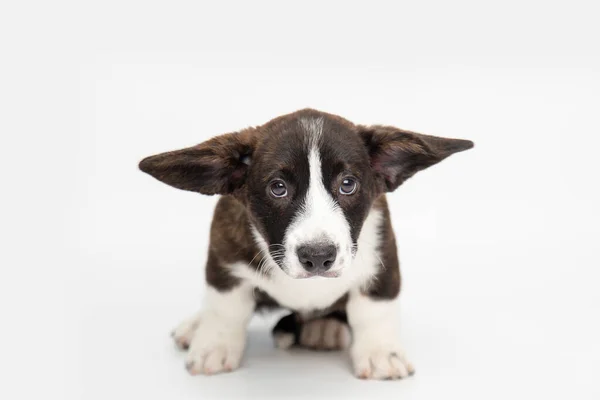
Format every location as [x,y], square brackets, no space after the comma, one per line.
[231,237]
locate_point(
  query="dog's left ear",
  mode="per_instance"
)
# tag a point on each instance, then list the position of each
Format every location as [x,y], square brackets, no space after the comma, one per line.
[396,155]
[217,166]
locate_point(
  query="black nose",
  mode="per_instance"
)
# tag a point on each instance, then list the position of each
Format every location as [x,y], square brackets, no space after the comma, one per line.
[316,258]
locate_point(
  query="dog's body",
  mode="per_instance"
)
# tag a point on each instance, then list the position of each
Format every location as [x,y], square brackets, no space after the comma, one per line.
[303,224]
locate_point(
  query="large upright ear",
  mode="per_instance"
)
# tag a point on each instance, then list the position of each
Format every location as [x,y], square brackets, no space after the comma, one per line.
[396,155]
[217,166]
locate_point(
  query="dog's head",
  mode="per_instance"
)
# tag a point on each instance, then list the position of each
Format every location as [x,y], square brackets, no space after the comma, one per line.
[307,179]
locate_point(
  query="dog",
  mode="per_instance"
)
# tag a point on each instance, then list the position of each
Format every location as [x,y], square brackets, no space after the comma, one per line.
[302,224]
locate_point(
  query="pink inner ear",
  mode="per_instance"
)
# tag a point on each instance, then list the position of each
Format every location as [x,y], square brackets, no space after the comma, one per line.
[378,166]
[238,173]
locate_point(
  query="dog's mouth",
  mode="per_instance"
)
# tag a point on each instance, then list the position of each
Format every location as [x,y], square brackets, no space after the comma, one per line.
[325,274]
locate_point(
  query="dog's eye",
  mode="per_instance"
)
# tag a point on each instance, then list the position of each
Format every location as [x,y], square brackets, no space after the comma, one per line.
[278,188]
[348,186]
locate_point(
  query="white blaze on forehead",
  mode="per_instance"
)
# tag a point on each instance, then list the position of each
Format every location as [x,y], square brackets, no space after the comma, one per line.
[314,128]
[319,206]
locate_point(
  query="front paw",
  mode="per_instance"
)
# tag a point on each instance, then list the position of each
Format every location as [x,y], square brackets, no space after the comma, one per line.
[183,334]
[215,347]
[373,361]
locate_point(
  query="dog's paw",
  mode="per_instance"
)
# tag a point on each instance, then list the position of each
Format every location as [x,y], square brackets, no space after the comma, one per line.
[374,362]
[215,347]
[325,334]
[183,334]
[284,340]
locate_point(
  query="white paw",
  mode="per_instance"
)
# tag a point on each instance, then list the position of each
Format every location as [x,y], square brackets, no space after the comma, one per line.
[183,334]
[325,334]
[373,361]
[284,340]
[215,347]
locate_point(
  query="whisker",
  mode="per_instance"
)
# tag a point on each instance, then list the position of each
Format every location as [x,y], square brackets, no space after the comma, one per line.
[257,254]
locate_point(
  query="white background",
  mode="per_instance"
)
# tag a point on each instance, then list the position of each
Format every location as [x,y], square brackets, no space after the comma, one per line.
[498,245]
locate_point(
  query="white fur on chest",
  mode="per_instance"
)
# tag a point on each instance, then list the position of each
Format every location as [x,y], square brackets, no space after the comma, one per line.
[319,292]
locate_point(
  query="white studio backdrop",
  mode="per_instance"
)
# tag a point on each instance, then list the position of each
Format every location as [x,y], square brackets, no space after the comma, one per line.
[498,245]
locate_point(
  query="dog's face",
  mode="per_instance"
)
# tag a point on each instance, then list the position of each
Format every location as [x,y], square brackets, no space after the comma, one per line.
[309,188]
[308,181]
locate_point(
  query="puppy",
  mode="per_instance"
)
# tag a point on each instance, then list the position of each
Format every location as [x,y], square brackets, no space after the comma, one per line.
[302,224]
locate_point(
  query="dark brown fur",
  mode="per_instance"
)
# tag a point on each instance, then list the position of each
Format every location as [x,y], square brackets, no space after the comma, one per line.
[387,282]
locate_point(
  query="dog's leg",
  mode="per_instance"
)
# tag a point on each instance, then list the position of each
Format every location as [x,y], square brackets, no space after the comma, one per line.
[219,337]
[330,332]
[375,351]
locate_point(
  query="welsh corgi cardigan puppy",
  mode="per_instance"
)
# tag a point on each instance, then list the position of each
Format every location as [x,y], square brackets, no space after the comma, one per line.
[303,224]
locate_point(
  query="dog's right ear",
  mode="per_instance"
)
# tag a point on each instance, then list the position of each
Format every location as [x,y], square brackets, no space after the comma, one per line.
[217,166]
